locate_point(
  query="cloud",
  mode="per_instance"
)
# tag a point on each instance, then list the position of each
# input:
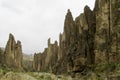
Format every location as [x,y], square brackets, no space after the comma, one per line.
[34,21]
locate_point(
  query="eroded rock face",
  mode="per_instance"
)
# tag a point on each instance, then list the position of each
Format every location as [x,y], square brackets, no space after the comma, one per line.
[107,34]
[1,56]
[92,38]
[18,55]
[76,48]
[13,53]
[102,31]
[114,31]
[81,51]
[46,61]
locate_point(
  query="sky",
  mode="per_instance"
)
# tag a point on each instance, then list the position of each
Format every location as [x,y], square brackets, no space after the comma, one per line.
[34,21]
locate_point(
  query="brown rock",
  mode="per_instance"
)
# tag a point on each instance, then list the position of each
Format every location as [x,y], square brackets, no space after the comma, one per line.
[94,37]
[46,61]
[18,55]
[107,34]
[13,53]
[1,56]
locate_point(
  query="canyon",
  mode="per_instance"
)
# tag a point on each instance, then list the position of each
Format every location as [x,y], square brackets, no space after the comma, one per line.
[92,38]
[88,47]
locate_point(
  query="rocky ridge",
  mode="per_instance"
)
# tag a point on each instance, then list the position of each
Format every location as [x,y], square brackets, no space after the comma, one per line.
[92,38]
[88,44]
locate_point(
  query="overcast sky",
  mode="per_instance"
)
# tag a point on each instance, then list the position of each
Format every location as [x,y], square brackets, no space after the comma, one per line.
[34,21]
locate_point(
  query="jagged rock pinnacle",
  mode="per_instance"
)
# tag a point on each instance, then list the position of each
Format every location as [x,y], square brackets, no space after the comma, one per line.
[13,53]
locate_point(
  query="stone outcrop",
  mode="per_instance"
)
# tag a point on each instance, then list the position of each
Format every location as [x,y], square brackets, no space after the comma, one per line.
[46,60]
[76,45]
[1,56]
[107,38]
[92,38]
[77,42]
[13,53]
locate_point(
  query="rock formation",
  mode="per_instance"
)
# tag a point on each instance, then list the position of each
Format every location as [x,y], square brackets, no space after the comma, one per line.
[1,56]
[107,37]
[92,38]
[13,53]
[46,60]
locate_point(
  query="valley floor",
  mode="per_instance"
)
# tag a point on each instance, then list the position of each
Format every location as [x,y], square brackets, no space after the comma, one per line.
[100,72]
[32,76]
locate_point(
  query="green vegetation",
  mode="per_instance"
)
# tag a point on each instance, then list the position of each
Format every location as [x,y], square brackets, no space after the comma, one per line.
[42,76]
[99,72]
[103,68]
